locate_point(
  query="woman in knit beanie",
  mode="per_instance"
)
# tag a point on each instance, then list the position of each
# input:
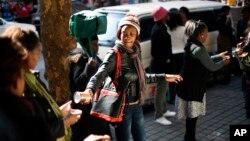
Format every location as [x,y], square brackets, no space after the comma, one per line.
[132,78]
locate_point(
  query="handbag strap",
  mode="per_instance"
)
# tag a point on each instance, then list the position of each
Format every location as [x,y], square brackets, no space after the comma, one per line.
[118,69]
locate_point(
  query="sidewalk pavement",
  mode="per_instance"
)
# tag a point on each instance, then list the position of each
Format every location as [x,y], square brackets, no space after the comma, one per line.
[225,107]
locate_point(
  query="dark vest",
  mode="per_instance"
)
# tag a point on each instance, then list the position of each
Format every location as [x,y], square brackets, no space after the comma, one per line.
[194,74]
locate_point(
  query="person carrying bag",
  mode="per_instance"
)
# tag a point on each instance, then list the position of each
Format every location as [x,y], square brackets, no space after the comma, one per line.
[131,82]
[108,101]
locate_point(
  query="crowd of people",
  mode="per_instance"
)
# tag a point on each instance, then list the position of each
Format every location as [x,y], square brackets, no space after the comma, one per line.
[19,10]
[24,95]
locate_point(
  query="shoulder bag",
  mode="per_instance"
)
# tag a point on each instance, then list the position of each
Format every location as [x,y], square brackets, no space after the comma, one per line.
[109,101]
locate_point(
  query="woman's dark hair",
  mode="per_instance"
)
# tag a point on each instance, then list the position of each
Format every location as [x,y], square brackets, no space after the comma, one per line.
[194,28]
[27,38]
[174,19]
[85,40]
[185,11]
[12,57]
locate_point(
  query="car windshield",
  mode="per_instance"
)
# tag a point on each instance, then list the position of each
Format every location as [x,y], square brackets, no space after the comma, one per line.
[108,39]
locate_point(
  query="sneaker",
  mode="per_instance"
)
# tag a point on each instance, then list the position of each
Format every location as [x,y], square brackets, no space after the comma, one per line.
[169,114]
[163,121]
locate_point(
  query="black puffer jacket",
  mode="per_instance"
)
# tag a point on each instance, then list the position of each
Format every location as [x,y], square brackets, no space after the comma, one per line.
[107,69]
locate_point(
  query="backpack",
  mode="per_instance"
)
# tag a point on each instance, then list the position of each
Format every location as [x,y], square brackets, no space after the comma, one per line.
[85,24]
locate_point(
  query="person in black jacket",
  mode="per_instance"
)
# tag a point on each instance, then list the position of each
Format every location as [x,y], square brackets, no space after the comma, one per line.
[243,54]
[162,59]
[81,69]
[191,97]
[225,42]
[225,38]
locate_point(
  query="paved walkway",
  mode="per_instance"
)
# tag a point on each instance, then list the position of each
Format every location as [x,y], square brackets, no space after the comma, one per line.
[225,107]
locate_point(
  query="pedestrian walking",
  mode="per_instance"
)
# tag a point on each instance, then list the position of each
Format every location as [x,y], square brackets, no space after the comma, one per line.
[162,57]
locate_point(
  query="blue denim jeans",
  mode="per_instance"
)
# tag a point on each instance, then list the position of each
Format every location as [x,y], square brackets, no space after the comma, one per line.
[133,122]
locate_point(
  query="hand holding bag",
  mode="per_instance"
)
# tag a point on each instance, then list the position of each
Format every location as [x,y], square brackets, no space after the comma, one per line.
[109,101]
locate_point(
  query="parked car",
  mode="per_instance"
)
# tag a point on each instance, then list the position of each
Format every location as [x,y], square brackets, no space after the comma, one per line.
[206,11]
[5,24]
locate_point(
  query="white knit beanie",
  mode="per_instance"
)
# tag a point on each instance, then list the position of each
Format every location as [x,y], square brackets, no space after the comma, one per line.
[132,20]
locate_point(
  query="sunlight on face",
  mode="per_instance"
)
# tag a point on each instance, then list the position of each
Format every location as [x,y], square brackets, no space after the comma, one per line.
[34,57]
[128,35]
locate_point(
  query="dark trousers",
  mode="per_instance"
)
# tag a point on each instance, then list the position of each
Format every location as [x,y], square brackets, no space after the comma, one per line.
[190,129]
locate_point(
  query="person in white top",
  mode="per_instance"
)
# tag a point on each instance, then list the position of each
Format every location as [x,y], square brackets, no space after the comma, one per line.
[176,31]
[178,40]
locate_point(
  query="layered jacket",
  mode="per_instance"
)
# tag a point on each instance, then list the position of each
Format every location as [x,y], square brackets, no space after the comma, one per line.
[197,63]
[107,68]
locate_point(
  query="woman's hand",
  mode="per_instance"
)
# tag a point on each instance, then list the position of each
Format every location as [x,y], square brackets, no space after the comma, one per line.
[65,108]
[70,116]
[97,138]
[173,78]
[224,55]
[73,116]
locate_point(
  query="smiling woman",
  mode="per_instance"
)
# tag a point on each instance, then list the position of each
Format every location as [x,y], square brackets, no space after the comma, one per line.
[132,81]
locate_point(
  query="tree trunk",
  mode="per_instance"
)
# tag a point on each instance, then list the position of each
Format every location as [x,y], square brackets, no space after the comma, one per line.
[56,42]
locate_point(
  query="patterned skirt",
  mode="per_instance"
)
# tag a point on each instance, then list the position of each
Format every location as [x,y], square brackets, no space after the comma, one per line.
[190,109]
